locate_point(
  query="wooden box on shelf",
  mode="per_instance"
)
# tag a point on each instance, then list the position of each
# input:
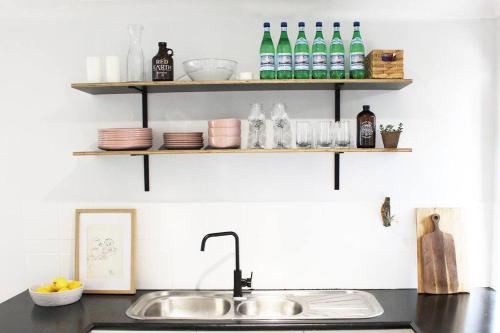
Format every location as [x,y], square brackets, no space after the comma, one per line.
[385,64]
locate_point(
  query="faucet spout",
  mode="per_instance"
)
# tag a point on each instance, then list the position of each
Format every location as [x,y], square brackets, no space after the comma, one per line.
[225,233]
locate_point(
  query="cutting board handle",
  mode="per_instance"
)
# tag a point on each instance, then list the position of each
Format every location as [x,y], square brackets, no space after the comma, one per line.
[435,218]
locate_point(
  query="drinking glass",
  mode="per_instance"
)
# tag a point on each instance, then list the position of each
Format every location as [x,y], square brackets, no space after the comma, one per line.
[325,134]
[304,134]
[342,134]
[135,57]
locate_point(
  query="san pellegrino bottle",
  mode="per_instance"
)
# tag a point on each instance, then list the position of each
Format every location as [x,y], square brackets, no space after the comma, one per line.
[267,54]
[319,67]
[357,55]
[337,54]
[284,53]
[301,65]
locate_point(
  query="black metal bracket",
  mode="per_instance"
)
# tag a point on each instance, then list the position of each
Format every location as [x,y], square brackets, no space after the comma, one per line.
[144,94]
[337,118]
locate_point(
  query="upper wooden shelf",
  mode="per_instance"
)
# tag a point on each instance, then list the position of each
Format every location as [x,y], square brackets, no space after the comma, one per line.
[239,85]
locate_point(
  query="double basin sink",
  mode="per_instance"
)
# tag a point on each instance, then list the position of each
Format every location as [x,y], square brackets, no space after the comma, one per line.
[301,305]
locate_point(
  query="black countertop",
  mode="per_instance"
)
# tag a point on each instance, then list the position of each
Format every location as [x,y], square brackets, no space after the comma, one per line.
[403,308]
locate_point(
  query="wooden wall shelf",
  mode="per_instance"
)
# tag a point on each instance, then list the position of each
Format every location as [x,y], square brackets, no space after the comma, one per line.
[145,88]
[239,85]
[241,151]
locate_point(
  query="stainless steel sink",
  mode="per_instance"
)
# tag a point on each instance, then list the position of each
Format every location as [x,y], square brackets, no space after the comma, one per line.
[275,305]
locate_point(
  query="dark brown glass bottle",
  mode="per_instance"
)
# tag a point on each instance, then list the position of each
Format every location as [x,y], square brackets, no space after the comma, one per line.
[163,64]
[366,128]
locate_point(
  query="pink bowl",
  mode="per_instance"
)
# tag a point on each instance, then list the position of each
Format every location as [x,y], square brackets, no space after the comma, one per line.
[224,141]
[224,131]
[230,122]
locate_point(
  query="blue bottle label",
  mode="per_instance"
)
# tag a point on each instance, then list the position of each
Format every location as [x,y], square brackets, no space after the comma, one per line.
[284,61]
[301,61]
[356,40]
[357,61]
[267,61]
[301,41]
[319,61]
[337,61]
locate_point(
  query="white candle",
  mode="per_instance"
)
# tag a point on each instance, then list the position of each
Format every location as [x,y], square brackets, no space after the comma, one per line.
[93,69]
[113,69]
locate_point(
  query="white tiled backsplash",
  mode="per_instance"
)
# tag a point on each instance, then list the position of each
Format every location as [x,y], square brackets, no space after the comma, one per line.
[286,245]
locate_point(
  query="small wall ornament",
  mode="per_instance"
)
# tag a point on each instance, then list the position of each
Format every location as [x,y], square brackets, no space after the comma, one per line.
[385,211]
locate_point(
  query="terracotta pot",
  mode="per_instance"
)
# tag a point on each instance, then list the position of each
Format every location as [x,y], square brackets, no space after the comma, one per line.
[390,139]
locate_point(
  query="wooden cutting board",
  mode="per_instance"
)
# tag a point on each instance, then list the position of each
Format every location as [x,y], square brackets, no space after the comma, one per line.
[438,273]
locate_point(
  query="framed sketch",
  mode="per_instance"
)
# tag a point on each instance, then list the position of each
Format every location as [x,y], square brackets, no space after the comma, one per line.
[105,250]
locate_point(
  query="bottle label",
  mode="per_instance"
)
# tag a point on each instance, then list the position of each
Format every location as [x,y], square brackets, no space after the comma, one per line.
[267,61]
[301,61]
[337,61]
[319,61]
[337,41]
[366,130]
[284,61]
[319,40]
[357,40]
[301,41]
[357,61]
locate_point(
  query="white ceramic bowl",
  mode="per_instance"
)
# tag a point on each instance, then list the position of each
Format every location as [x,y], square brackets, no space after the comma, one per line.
[55,299]
[209,69]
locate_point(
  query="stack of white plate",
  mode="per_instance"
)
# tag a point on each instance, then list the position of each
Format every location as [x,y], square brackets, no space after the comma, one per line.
[183,140]
[125,138]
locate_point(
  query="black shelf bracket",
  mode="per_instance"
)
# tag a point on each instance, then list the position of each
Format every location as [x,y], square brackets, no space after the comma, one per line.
[144,95]
[338,87]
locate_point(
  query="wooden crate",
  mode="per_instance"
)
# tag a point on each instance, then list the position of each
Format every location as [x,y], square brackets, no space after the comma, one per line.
[380,69]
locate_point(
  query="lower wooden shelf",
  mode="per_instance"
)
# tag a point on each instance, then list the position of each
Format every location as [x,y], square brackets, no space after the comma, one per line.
[242,151]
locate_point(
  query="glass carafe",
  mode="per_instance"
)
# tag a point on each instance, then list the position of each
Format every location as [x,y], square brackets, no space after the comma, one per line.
[256,127]
[135,57]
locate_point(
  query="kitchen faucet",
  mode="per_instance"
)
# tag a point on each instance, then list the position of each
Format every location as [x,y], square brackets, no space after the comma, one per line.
[238,281]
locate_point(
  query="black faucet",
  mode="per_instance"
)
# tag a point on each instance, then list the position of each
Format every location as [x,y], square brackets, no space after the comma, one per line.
[238,281]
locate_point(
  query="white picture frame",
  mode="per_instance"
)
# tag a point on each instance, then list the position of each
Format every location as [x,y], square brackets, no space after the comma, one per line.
[105,250]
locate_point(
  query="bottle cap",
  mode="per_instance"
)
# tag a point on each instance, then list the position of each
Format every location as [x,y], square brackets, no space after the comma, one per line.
[366,108]
[162,44]
[336,24]
[356,24]
[267,25]
[319,24]
[302,24]
[283,24]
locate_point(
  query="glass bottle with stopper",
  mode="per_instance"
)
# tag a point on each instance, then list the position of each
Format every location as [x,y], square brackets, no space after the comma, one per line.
[163,63]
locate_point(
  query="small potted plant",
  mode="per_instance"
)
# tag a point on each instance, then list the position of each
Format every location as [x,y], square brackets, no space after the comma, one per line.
[390,135]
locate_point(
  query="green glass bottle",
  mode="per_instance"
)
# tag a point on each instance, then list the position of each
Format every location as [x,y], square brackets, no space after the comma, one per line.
[267,54]
[301,65]
[357,55]
[319,66]
[284,53]
[337,54]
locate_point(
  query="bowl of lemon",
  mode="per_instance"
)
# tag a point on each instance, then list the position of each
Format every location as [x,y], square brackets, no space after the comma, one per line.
[59,292]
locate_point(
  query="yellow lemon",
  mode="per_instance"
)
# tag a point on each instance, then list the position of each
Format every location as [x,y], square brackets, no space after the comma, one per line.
[42,290]
[59,283]
[74,284]
[49,287]
[62,289]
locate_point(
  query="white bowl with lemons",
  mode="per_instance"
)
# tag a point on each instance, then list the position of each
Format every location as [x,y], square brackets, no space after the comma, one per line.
[59,292]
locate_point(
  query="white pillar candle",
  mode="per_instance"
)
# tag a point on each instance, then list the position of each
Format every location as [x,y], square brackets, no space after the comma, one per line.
[113,69]
[93,69]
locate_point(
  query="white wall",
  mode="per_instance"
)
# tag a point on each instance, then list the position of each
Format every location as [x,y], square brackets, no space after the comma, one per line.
[295,230]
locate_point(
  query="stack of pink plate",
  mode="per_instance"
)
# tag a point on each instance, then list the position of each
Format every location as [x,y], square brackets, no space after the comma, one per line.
[183,140]
[125,138]
[224,133]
